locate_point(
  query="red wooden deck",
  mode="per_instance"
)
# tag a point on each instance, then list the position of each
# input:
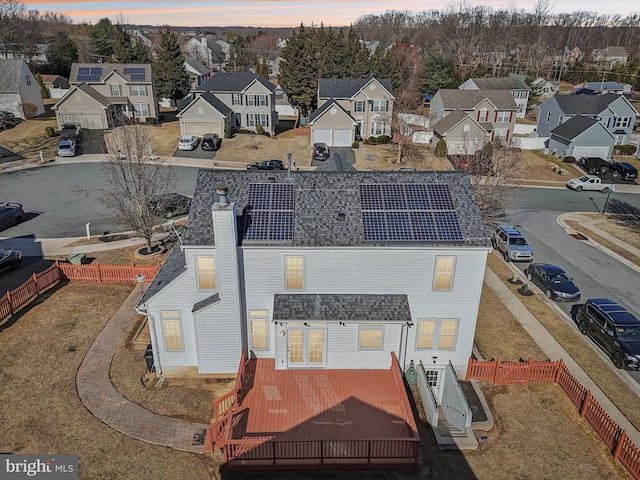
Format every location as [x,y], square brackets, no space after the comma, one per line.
[326,418]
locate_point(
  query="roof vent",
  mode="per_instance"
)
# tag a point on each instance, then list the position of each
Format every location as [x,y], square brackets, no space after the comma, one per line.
[341,217]
[271,179]
[222,192]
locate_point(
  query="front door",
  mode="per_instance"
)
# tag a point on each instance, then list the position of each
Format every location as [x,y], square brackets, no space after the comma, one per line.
[238,120]
[306,347]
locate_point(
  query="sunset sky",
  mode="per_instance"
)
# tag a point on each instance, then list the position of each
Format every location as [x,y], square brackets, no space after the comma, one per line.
[279,13]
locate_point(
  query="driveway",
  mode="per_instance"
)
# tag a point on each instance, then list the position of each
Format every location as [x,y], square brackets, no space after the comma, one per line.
[346,154]
[195,153]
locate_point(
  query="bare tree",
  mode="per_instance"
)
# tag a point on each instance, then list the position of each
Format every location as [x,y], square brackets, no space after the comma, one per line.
[133,180]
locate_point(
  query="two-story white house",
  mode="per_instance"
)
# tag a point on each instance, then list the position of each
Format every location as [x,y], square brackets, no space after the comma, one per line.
[518,88]
[103,95]
[351,108]
[19,90]
[249,97]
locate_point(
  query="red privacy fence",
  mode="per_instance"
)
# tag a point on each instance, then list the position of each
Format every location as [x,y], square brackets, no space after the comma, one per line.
[508,373]
[19,297]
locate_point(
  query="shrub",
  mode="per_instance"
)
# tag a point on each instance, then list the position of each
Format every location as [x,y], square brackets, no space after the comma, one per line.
[49,131]
[355,145]
[259,129]
[569,159]
[488,149]
[625,149]
[371,139]
[227,131]
[151,120]
[441,148]
[383,139]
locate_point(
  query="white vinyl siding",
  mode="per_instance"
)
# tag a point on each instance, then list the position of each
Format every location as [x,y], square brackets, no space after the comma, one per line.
[172,330]
[371,336]
[294,273]
[259,329]
[205,271]
[443,277]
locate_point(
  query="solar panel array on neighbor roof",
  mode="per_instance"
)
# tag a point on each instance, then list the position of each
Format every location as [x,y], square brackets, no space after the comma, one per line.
[270,214]
[89,74]
[408,212]
[135,73]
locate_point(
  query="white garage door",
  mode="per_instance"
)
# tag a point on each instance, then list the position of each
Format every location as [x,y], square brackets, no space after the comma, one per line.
[200,128]
[89,120]
[322,135]
[342,137]
[593,151]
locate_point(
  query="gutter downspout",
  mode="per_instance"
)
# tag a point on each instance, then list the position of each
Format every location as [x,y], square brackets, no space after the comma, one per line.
[154,339]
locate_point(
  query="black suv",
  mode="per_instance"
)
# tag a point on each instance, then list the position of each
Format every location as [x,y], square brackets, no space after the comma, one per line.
[320,151]
[210,141]
[625,170]
[266,165]
[594,165]
[614,329]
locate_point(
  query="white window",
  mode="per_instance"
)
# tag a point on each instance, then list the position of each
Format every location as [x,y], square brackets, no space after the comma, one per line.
[483,115]
[259,331]
[548,117]
[521,107]
[172,330]
[440,334]
[142,109]
[262,100]
[263,119]
[138,90]
[622,122]
[206,273]
[443,277]
[371,336]
[115,90]
[251,100]
[377,128]
[358,106]
[251,119]
[379,106]
[294,273]
[503,117]
[236,99]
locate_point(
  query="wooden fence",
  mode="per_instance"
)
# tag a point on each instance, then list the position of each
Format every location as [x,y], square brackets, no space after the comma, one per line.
[508,373]
[19,297]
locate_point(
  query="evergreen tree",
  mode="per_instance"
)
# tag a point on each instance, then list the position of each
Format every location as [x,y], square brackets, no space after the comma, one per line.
[383,65]
[43,90]
[299,70]
[172,80]
[438,73]
[62,53]
[262,69]
[102,34]
[358,55]
[125,50]
[441,148]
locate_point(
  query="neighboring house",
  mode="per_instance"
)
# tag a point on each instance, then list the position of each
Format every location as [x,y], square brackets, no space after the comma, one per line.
[615,113]
[493,110]
[518,88]
[198,48]
[249,96]
[609,56]
[567,56]
[321,270]
[104,95]
[56,85]
[197,72]
[581,137]
[20,92]
[205,114]
[350,108]
[462,134]
[32,54]
[545,88]
[598,88]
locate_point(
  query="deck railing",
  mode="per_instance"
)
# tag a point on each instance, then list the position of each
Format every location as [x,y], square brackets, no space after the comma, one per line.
[506,373]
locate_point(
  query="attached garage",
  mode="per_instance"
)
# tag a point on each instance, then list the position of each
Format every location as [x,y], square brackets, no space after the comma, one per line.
[322,135]
[200,128]
[591,151]
[333,137]
[88,120]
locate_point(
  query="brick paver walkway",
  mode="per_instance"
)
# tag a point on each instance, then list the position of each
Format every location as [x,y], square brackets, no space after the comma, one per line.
[101,398]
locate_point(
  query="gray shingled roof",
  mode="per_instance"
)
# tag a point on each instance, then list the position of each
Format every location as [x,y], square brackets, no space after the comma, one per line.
[336,164]
[210,300]
[505,83]
[346,87]
[584,104]
[107,68]
[341,308]
[172,267]
[452,98]
[318,199]
[212,100]
[573,127]
[325,106]
[449,121]
[197,66]
[93,93]
[10,74]
[233,82]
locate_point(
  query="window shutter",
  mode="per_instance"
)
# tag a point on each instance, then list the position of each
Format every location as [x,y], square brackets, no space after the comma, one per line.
[496,119]
[492,136]
[510,117]
[386,106]
[506,139]
[247,119]
[233,99]
[478,115]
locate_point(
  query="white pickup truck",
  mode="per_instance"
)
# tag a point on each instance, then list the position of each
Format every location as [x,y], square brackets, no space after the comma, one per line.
[590,182]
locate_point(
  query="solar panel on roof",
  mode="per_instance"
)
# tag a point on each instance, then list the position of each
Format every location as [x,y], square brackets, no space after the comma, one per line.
[409,212]
[270,212]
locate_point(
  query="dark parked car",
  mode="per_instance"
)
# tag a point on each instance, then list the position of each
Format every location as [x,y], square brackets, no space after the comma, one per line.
[170,205]
[10,258]
[614,329]
[266,165]
[10,214]
[553,281]
[69,131]
[625,170]
[320,151]
[8,120]
[210,141]
[594,165]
